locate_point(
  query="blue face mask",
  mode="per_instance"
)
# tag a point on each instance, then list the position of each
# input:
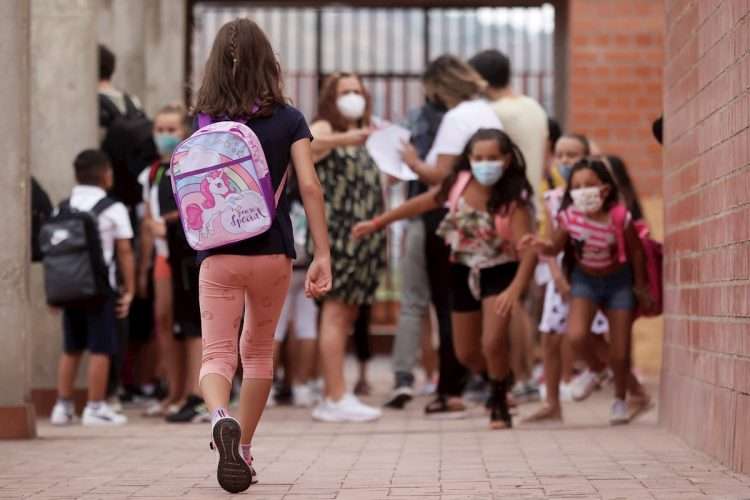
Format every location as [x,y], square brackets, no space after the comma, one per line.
[487,173]
[166,143]
[565,170]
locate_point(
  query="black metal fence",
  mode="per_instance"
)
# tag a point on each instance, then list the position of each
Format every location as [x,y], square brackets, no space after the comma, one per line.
[388,46]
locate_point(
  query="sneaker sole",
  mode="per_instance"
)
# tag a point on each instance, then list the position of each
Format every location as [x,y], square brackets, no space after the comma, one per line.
[338,420]
[398,402]
[233,473]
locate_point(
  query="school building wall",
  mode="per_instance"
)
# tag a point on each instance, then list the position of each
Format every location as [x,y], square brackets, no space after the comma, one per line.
[615,65]
[705,391]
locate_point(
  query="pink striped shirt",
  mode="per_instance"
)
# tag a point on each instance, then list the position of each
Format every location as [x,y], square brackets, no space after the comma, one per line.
[595,243]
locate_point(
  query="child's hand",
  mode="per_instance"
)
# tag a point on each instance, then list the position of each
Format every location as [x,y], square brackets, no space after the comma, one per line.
[527,241]
[318,281]
[563,287]
[123,305]
[643,296]
[158,228]
[409,154]
[364,228]
[506,301]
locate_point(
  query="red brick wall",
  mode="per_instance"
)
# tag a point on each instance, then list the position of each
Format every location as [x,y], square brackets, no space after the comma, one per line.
[705,391]
[615,67]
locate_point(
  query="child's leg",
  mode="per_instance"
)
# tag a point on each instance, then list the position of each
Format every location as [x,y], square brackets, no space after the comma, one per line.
[567,359]
[336,323]
[580,316]
[66,374]
[552,344]
[97,376]
[620,330]
[222,301]
[495,340]
[168,349]
[266,284]
[467,340]
[429,354]
[306,334]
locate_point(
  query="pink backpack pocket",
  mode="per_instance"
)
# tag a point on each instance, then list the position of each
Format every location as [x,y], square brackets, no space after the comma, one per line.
[222,185]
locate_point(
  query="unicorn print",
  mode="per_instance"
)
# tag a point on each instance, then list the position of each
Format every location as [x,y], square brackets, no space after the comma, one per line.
[217,197]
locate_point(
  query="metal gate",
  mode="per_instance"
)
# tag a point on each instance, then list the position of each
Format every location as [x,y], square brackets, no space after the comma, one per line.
[389,46]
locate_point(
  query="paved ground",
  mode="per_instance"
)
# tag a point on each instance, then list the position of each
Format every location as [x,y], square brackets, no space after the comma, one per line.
[402,456]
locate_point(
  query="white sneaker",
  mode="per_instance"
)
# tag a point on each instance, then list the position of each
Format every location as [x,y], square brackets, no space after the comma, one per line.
[62,414]
[102,415]
[303,395]
[584,384]
[347,409]
[115,403]
[619,413]
[566,391]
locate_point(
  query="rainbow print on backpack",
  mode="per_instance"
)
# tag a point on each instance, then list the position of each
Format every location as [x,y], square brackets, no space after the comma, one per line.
[222,185]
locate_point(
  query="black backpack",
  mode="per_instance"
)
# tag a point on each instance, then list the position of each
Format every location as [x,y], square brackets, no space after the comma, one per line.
[129,144]
[75,274]
[41,209]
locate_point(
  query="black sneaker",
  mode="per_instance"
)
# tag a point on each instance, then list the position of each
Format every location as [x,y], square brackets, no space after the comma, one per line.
[400,397]
[194,410]
[441,408]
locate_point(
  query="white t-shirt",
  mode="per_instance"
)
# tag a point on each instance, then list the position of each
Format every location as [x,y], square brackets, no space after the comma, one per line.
[151,194]
[458,125]
[114,222]
[525,123]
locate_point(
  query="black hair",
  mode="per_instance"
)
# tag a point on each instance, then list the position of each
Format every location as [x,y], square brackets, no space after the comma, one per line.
[512,187]
[657,129]
[599,168]
[627,190]
[494,66]
[554,132]
[580,138]
[107,61]
[90,166]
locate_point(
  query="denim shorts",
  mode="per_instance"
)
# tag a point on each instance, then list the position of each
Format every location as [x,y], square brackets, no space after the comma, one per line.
[614,291]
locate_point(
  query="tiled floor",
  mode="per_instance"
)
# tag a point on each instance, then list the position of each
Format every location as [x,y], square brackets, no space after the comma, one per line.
[401,456]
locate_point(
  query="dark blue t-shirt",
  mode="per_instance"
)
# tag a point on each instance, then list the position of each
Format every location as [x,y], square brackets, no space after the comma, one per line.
[276,133]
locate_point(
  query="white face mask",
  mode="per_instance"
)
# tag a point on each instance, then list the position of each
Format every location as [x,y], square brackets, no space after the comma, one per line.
[487,173]
[587,200]
[352,106]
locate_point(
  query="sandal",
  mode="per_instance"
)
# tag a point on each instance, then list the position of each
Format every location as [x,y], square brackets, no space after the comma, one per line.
[442,407]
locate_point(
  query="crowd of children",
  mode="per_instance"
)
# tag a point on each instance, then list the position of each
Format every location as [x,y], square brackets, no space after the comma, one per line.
[485,247]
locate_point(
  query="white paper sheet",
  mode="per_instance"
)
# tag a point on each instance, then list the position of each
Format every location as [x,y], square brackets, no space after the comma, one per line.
[385,146]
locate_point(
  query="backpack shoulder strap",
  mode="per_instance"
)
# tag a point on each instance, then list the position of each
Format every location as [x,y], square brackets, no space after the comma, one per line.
[131,110]
[619,215]
[102,205]
[281,187]
[502,223]
[459,186]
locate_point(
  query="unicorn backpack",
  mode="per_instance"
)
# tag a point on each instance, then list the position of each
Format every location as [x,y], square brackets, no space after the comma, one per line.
[222,185]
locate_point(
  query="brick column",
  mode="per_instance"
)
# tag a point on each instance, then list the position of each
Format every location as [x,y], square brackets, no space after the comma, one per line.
[706,371]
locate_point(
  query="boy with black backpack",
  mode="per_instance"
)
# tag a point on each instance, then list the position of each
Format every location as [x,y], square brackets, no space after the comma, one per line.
[79,244]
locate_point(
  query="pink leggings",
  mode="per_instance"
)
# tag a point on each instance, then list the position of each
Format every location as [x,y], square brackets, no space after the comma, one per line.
[229,285]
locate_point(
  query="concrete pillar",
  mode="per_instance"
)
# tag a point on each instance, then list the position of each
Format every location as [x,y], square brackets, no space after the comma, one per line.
[16,412]
[165,53]
[121,26]
[148,38]
[64,121]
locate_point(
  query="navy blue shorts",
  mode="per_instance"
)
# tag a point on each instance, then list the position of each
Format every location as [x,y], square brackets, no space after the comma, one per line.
[614,291]
[92,329]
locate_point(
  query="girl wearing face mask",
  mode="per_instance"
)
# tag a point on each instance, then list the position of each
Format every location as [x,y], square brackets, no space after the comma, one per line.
[351,184]
[489,212]
[608,267]
[169,130]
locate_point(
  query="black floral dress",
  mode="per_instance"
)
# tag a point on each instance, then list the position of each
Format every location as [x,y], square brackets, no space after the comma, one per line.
[351,186]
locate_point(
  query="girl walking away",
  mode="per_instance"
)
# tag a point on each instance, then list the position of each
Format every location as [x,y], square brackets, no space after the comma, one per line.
[489,200]
[607,267]
[242,83]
